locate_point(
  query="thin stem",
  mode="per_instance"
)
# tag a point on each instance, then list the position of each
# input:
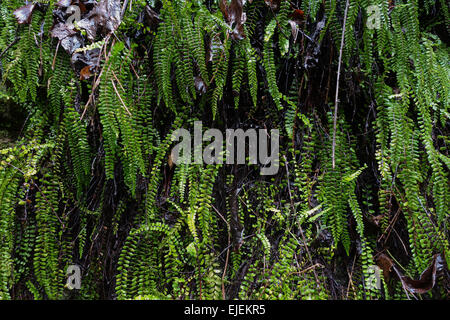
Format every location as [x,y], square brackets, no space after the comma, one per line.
[336,100]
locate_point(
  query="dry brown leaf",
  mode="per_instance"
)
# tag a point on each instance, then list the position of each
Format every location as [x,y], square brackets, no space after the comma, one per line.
[426,280]
[200,85]
[273,4]
[297,18]
[234,16]
[23,14]
[151,16]
[386,264]
[104,17]
[69,38]
[170,160]
[63,3]
[61,31]
[85,73]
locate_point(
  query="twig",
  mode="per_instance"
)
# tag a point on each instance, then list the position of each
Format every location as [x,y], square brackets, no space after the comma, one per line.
[390,227]
[350,275]
[120,98]
[401,241]
[97,81]
[56,54]
[9,46]
[132,68]
[317,265]
[228,252]
[124,7]
[117,79]
[336,101]
[299,225]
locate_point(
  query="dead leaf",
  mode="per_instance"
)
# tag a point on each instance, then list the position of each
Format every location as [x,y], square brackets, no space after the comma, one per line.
[61,31]
[170,160]
[70,44]
[69,38]
[298,15]
[376,220]
[294,29]
[426,280]
[235,17]
[63,3]
[200,85]
[85,73]
[152,18]
[214,48]
[297,18]
[87,60]
[273,4]
[385,263]
[104,17]
[89,26]
[23,14]
[107,15]
[81,5]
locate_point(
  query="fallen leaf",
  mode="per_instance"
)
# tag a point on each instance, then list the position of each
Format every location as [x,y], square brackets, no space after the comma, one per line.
[214,48]
[234,16]
[104,17]
[385,263]
[81,5]
[294,29]
[297,18]
[89,26]
[200,85]
[273,4]
[61,31]
[87,60]
[298,15]
[107,15]
[426,280]
[23,14]
[68,37]
[152,18]
[63,3]
[70,44]
[85,73]
[170,160]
